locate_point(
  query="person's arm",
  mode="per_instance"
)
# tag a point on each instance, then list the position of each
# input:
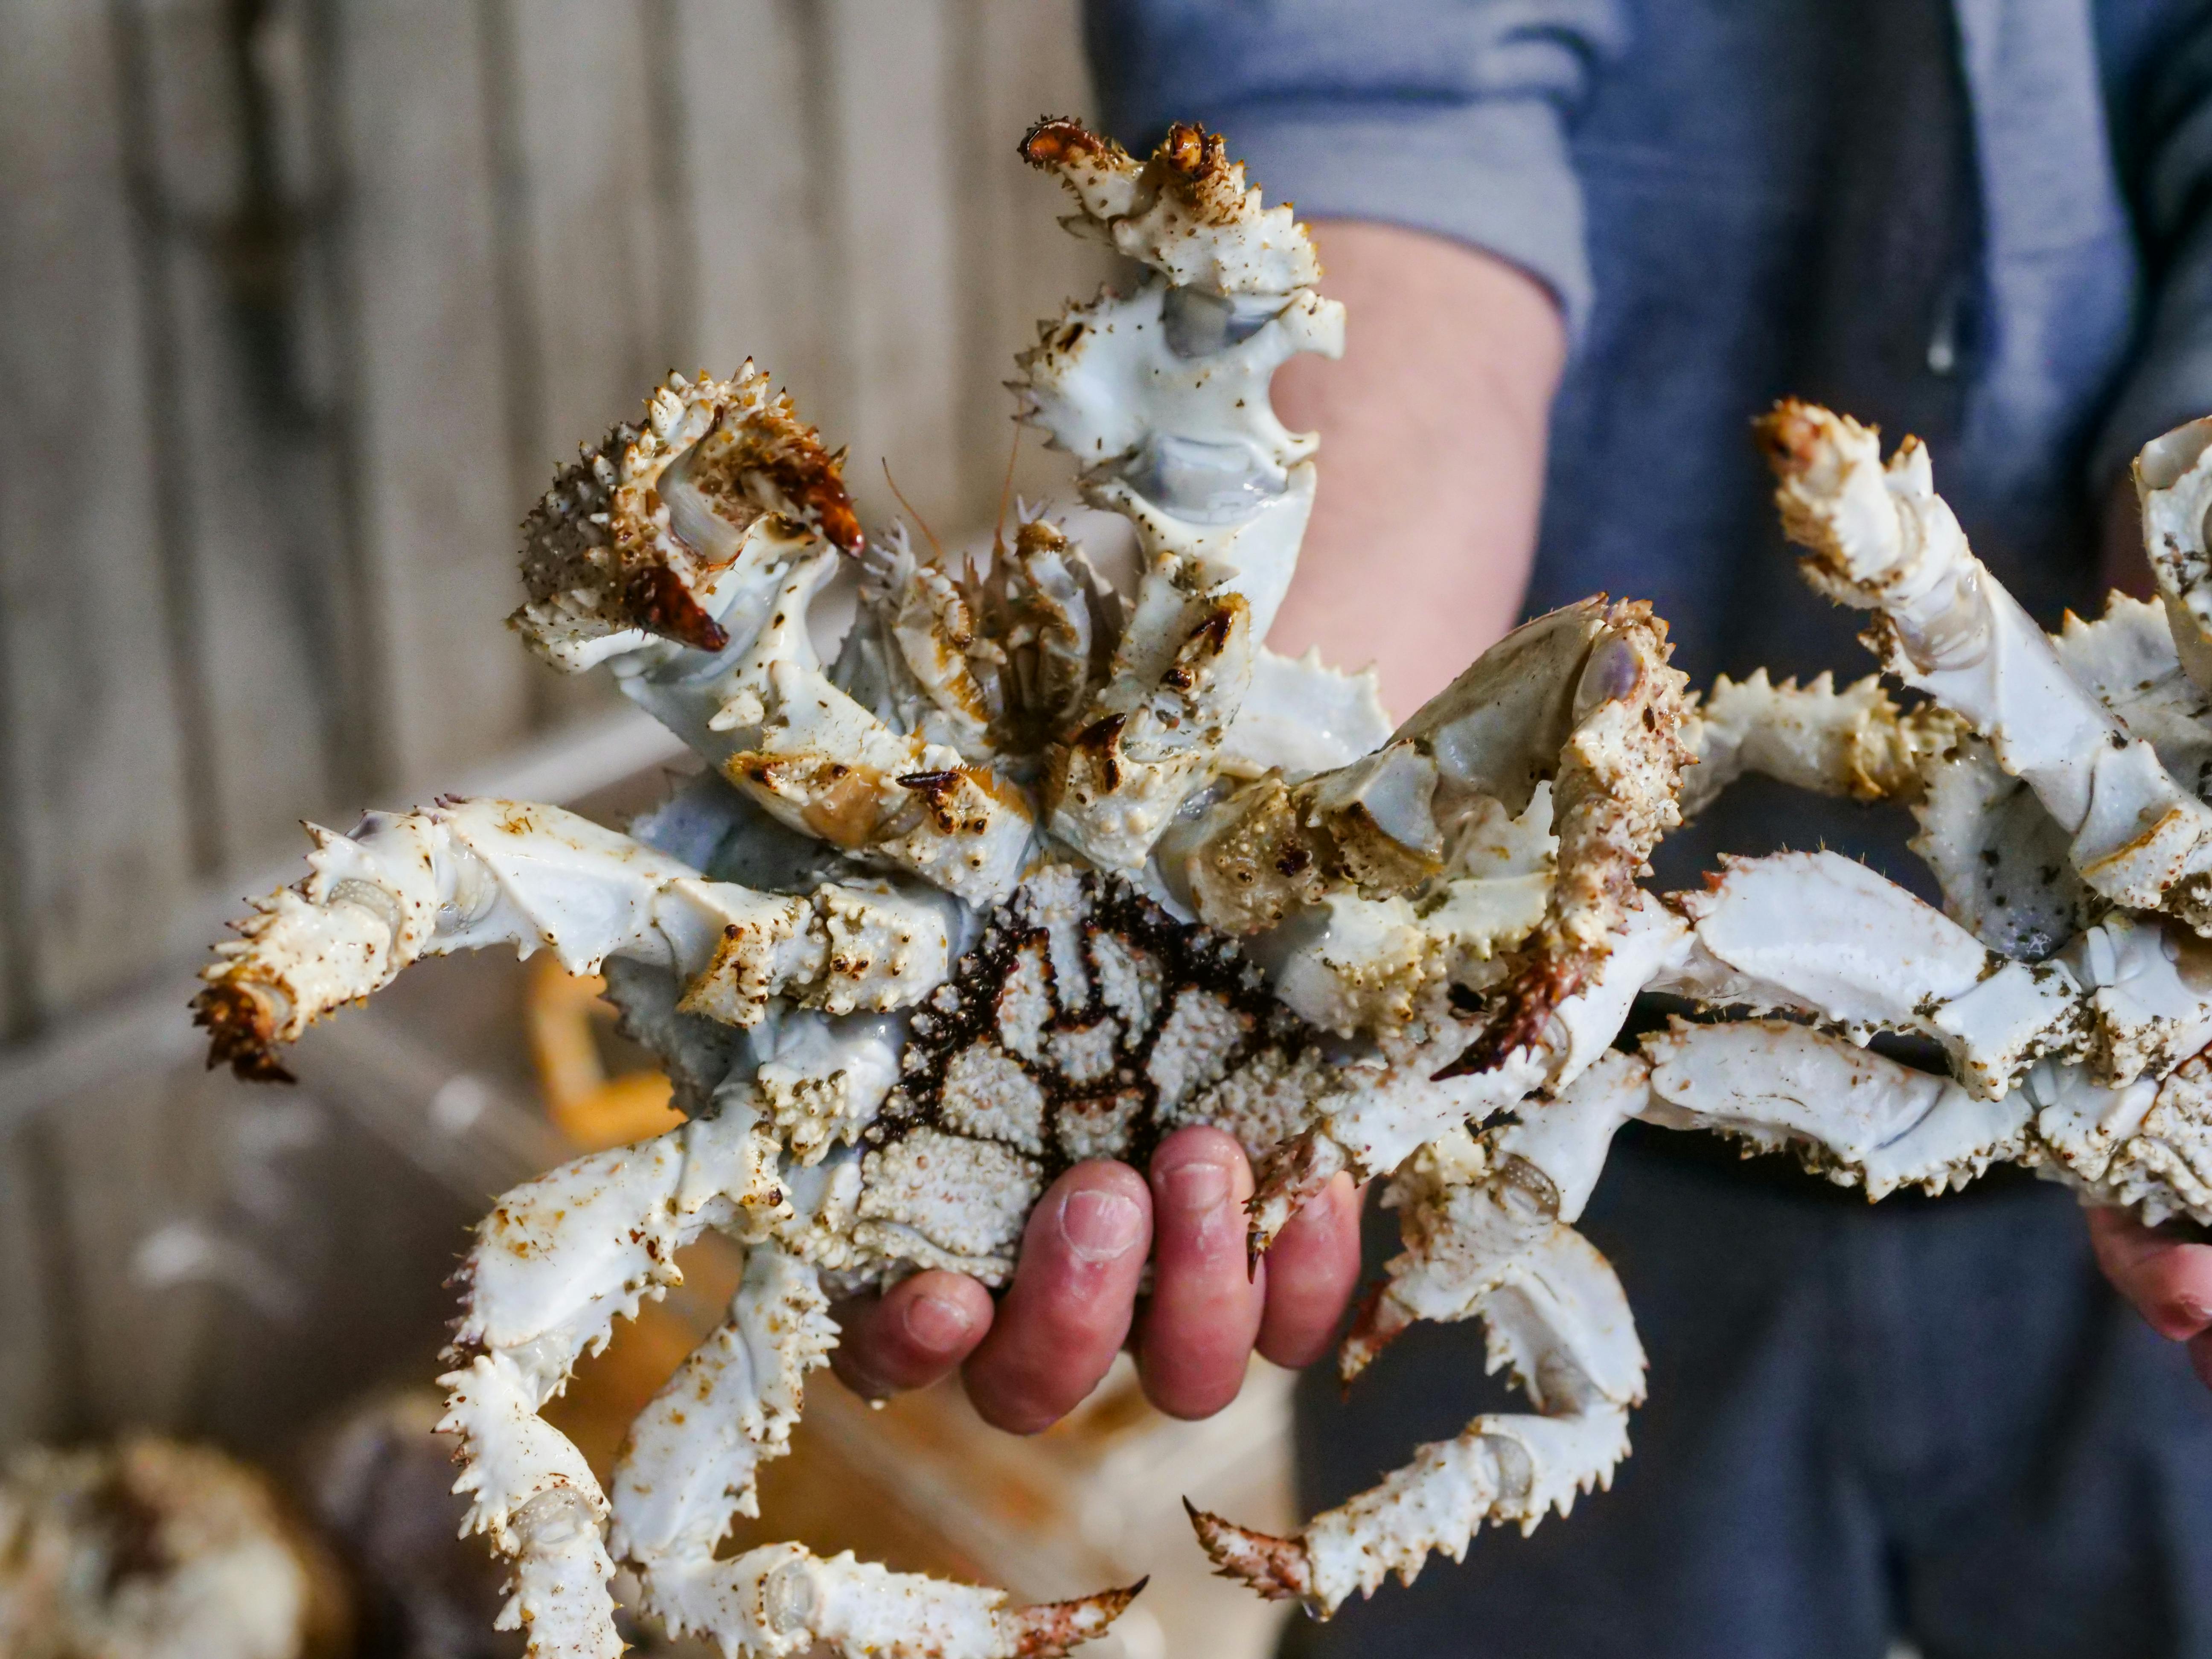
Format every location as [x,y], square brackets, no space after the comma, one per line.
[1433,425]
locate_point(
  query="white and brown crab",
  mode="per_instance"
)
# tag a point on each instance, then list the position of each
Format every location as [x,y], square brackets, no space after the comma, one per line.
[1030,875]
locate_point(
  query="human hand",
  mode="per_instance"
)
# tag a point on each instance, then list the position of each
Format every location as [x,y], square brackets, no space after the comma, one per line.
[2168,1278]
[1032,1356]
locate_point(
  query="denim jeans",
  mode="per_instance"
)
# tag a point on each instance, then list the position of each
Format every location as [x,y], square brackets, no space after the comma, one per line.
[1928,1419]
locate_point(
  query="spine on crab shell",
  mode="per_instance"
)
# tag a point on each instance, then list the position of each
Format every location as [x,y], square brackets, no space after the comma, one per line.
[1162,397]
[1878,537]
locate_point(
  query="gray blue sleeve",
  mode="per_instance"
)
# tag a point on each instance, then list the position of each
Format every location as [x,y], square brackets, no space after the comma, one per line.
[1447,116]
[2164,144]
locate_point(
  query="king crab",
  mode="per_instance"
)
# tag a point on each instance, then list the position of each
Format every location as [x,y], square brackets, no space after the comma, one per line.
[1027,875]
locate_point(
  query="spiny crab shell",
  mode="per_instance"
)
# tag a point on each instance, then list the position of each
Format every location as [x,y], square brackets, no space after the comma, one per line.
[1034,871]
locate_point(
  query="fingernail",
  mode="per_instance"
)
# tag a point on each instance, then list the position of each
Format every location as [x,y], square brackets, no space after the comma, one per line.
[936,1323]
[1100,1226]
[1197,1188]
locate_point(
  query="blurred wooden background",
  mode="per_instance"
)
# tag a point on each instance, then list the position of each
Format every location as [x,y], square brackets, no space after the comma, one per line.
[301,301]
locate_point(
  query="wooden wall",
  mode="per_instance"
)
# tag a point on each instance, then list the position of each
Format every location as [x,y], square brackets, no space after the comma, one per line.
[302,300]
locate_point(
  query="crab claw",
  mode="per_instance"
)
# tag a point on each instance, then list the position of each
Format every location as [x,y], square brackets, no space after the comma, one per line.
[1380,1321]
[1523,1019]
[1277,1568]
[240,1022]
[1051,1628]
[1294,1173]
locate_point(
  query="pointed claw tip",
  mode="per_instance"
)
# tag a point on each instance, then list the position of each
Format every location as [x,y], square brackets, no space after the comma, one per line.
[1277,1568]
[1374,1329]
[242,1031]
[1050,1628]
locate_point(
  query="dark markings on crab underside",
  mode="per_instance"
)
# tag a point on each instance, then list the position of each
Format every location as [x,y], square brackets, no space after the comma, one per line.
[964,1013]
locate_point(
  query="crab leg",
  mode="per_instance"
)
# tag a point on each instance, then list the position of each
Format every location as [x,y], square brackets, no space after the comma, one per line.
[1581,701]
[1161,399]
[553,1266]
[823,764]
[689,1468]
[1486,1233]
[1486,1236]
[1854,742]
[1387,1112]
[1861,1118]
[686,557]
[1813,933]
[475,874]
[1880,538]
[2173,486]
[1822,934]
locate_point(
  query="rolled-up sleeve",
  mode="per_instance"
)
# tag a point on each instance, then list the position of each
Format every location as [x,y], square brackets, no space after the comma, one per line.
[2166,144]
[1445,116]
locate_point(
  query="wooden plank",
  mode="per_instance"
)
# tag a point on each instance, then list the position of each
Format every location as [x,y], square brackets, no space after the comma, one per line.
[436,489]
[95,841]
[262,515]
[1015,60]
[34,1365]
[893,230]
[585,136]
[133,1155]
[581,143]
[753,275]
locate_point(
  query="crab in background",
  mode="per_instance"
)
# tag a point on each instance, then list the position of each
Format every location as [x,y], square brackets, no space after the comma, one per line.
[1034,872]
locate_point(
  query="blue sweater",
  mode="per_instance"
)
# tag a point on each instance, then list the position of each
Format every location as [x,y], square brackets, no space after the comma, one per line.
[1987,221]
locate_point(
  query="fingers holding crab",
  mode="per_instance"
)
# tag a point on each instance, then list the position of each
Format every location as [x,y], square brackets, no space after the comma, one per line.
[2167,1276]
[1064,1321]
[1312,1270]
[1071,1301]
[916,1332]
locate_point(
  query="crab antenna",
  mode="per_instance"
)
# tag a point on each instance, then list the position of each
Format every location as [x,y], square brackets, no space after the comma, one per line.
[1005,497]
[927,534]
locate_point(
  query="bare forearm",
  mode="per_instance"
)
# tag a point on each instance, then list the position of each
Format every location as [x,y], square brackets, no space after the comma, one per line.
[1432,433]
